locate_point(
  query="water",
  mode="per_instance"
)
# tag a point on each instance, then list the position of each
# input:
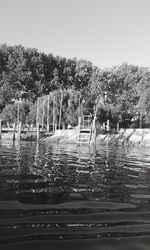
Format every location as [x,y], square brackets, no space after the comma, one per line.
[71,197]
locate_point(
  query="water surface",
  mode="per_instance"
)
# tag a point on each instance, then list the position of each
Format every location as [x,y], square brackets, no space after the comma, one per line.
[74,197]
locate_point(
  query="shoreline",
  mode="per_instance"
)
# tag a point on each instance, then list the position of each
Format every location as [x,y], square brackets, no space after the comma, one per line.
[130,137]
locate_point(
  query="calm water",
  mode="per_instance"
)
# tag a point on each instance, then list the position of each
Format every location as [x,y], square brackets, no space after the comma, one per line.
[69,197]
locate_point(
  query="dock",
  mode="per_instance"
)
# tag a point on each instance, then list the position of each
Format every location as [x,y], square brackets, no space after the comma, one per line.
[24,135]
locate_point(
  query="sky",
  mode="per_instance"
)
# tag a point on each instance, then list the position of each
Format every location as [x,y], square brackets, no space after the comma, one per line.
[106,32]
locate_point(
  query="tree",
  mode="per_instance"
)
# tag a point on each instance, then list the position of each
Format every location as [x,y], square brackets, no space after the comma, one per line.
[83,73]
[10,113]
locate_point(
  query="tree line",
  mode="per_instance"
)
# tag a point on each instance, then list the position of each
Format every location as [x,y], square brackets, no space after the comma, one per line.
[120,93]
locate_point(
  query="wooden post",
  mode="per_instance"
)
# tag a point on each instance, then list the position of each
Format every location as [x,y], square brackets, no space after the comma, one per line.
[37,120]
[53,113]
[43,113]
[140,120]
[38,131]
[48,113]
[94,130]
[18,114]
[60,109]
[19,131]
[0,128]
[31,127]
[79,122]
[14,128]
[118,127]
[79,110]
[107,126]
[103,126]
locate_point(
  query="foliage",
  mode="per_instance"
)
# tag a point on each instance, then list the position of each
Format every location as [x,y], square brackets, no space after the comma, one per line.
[120,93]
[126,87]
[11,112]
[69,108]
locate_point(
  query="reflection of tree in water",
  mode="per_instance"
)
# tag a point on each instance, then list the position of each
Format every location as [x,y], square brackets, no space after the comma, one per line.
[44,181]
[41,174]
[139,187]
[115,177]
[102,177]
[60,177]
[56,176]
[90,174]
[85,165]
[22,167]
[17,172]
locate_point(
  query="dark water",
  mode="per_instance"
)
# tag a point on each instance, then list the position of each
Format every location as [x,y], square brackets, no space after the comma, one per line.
[69,197]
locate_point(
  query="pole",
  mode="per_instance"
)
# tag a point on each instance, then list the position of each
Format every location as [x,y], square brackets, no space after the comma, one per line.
[60,109]
[18,121]
[14,125]
[0,128]
[19,131]
[48,113]
[79,112]
[79,122]
[140,121]
[37,120]
[18,111]
[53,113]
[118,127]
[43,113]
[107,126]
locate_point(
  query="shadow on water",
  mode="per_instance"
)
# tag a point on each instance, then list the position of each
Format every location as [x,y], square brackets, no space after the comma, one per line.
[78,197]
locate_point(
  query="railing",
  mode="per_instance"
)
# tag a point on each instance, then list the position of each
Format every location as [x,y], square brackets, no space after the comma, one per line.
[87,130]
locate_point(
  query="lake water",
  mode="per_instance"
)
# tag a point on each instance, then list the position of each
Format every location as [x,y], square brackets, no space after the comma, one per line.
[74,197]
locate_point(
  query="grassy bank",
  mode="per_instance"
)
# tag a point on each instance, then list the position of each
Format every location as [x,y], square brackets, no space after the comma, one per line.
[131,137]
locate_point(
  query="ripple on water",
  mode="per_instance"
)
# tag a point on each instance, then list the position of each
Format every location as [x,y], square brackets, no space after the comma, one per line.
[81,197]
